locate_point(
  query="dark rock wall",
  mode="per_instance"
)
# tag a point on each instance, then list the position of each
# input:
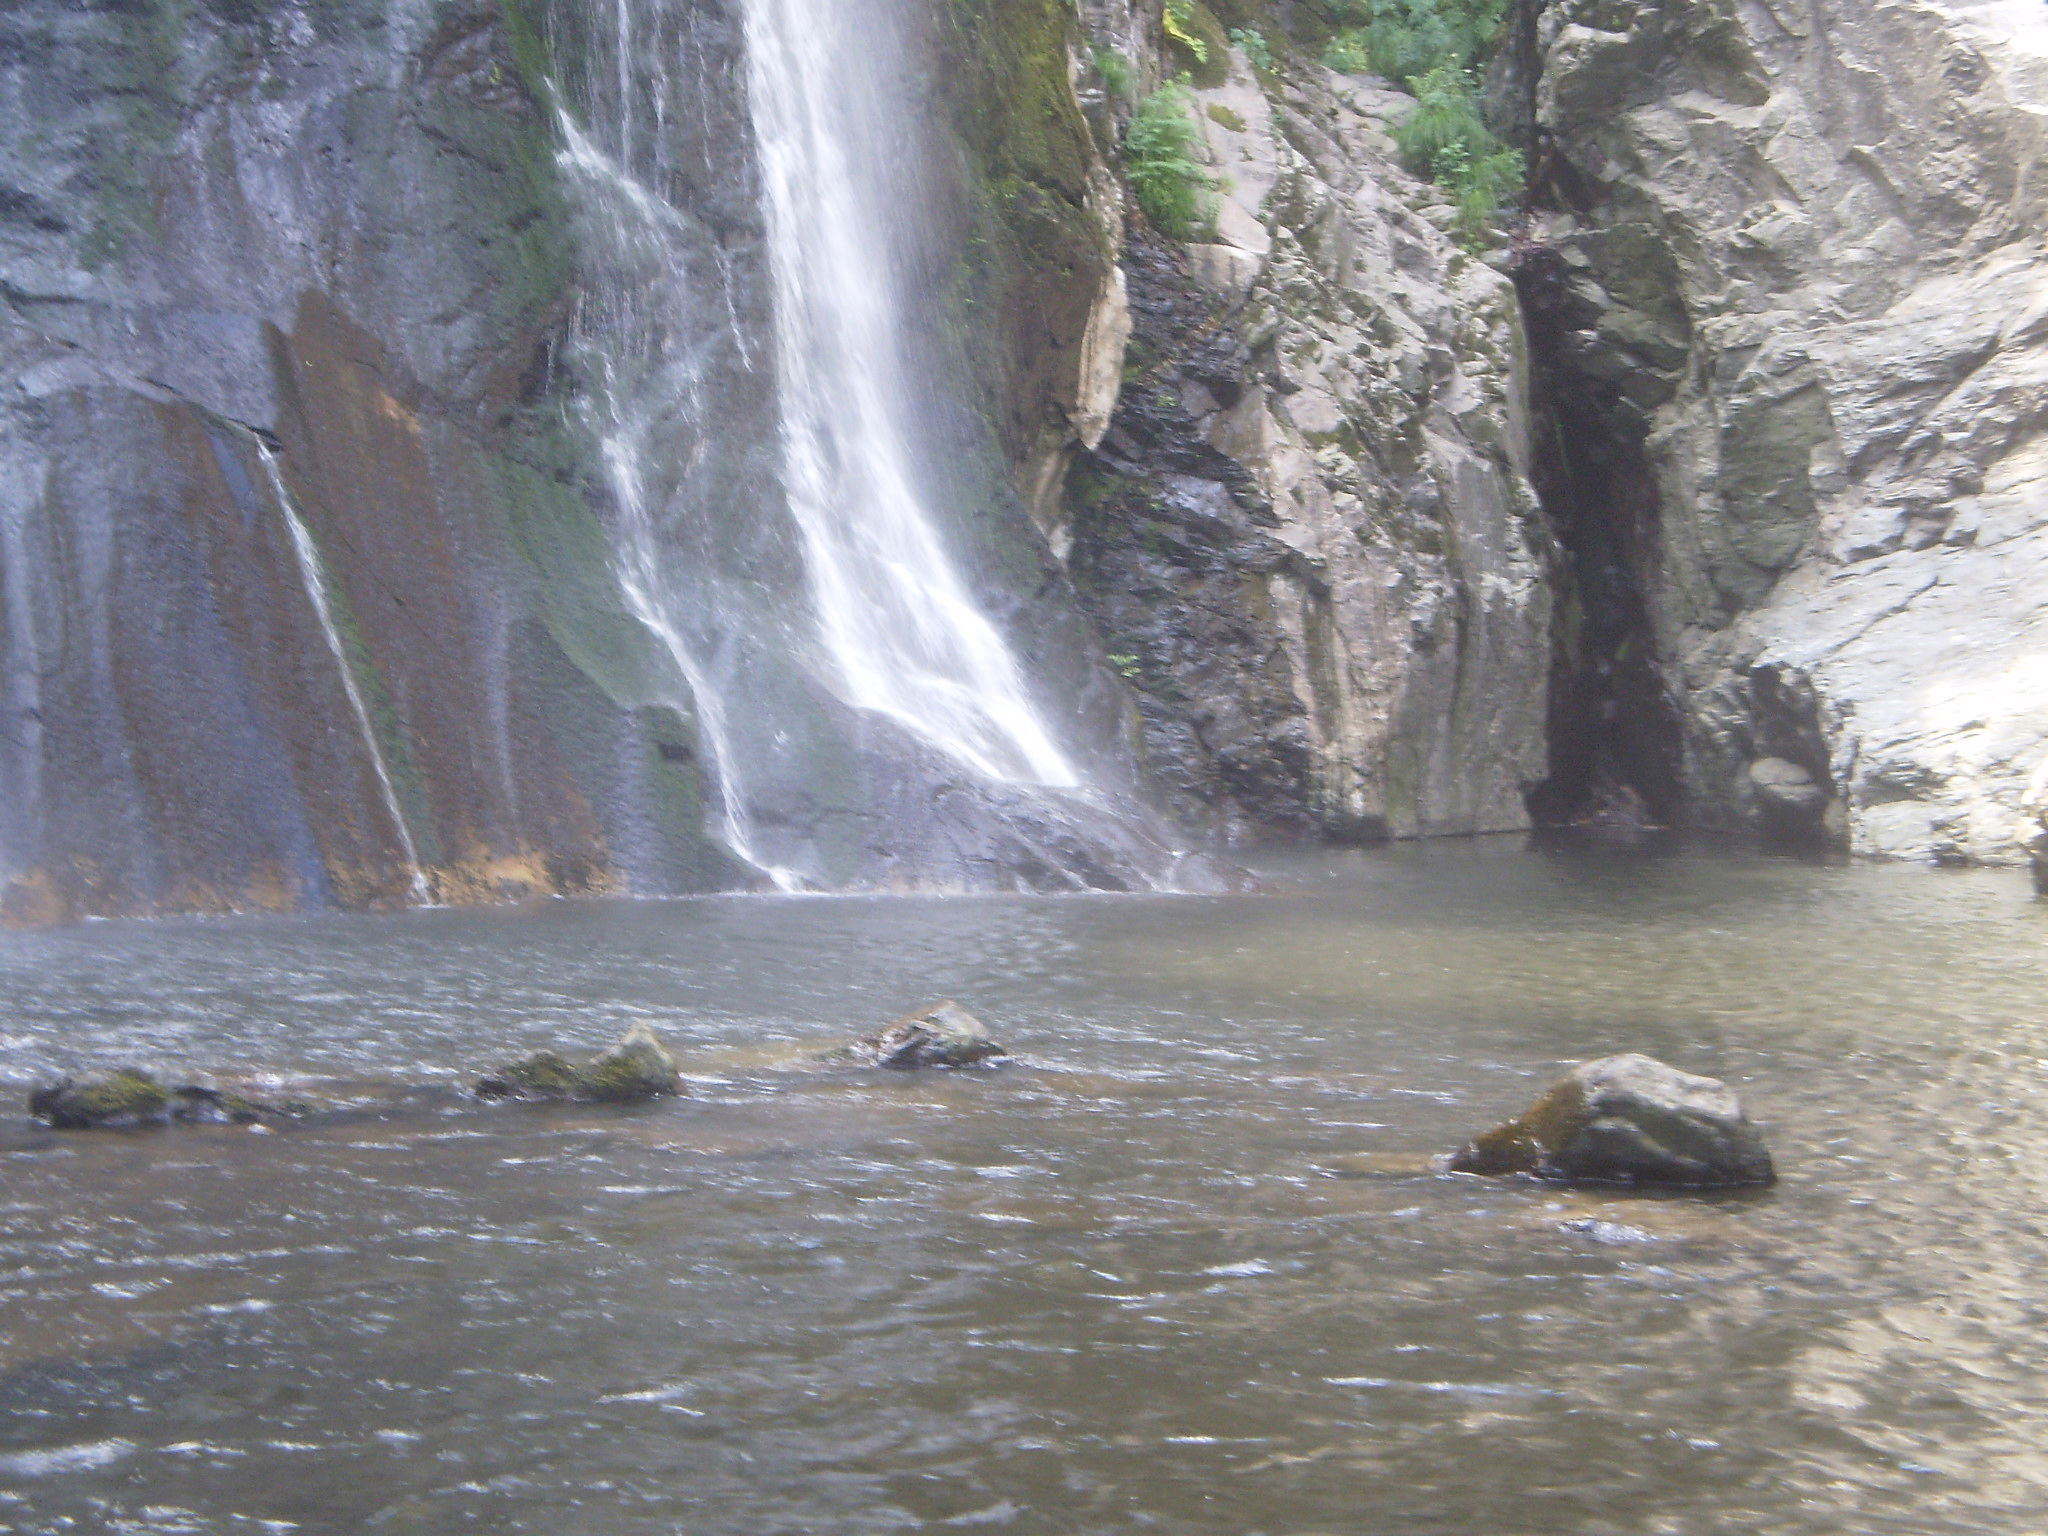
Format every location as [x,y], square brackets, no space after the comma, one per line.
[333,230]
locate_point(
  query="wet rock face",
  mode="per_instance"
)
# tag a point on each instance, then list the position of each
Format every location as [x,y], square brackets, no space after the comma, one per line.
[1307,537]
[1627,1120]
[637,1066]
[943,1035]
[343,262]
[330,235]
[1798,269]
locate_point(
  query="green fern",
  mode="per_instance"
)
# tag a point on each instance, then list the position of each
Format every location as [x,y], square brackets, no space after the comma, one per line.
[1406,39]
[1176,192]
[1446,139]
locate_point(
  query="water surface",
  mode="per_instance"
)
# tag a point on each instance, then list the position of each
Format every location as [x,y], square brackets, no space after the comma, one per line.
[1178,1270]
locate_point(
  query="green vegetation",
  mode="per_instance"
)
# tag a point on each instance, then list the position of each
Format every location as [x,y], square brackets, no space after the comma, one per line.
[125,1091]
[1447,140]
[1431,47]
[1182,28]
[1255,47]
[1196,43]
[1406,39]
[1176,192]
[1117,76]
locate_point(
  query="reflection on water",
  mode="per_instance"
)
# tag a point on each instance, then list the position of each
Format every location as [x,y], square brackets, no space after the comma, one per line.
[1177,1272]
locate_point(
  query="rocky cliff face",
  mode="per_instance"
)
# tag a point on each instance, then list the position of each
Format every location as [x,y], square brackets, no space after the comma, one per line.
[258,264]
[1791,304]
[1715,498]
[310,555]
[1308,534]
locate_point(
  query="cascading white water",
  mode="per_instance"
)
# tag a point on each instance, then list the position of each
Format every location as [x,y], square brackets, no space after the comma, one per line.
[749,212]
[905,636]
[313,577]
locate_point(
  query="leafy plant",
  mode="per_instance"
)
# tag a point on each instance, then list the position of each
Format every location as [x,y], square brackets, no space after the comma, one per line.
[1406,39]
[1348,53]
[1176,192]
[1255,47]
[1446,139]
[1118,78]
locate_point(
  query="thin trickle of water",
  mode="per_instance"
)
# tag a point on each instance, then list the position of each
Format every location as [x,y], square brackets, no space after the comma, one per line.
[21,731]
[314,577]
[639,370]
[906,637]
[639,573]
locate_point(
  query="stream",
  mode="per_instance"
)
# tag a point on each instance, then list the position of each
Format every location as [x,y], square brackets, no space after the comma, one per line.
[1180,1267]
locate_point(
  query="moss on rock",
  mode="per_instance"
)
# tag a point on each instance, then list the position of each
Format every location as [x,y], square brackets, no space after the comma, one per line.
[126,1096]
[637,1066]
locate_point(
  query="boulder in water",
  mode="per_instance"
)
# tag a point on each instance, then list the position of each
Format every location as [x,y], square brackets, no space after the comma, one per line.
[202,1104]
[115,1100]
[1627,1120]
[543,1075]
[636,1066]
[943,1035]
[128,1097]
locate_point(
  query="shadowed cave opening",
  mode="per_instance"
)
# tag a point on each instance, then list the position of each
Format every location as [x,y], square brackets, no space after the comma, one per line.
[1615,740]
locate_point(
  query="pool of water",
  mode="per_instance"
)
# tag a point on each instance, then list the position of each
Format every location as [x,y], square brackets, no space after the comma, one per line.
[1181,1268]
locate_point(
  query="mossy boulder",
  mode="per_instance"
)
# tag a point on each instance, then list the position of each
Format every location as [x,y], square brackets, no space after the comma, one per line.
[543,1075]
[943,1035]
[1627,1119]
[636,1066]
[128,1097]
[122,1098]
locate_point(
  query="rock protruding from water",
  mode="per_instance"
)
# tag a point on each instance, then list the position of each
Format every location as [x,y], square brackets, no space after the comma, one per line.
[1627,1120]
[128,1097]
[114,1100]
[637,1066]
[943,1035]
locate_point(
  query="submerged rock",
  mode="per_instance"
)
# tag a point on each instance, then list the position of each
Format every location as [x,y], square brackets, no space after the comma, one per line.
[127,1097]
[199,1104]
[943,1035]
[119,1099]
[636,1066]
[1627,1119]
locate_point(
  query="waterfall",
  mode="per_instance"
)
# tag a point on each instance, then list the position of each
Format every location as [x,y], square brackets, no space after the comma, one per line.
[906,638]
[314,578]
[745,179]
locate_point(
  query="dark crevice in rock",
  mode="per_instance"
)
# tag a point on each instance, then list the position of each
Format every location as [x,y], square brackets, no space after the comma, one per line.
[1616,741]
